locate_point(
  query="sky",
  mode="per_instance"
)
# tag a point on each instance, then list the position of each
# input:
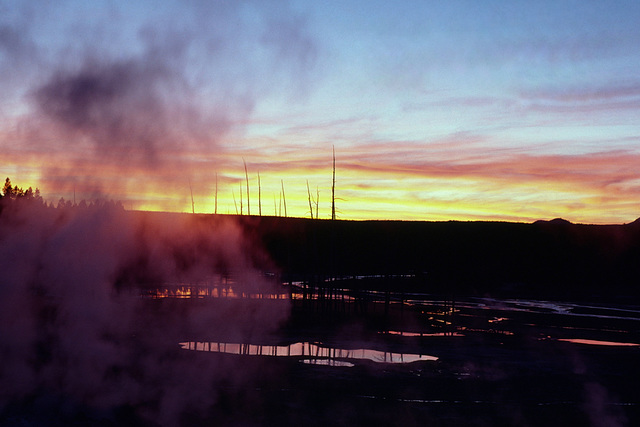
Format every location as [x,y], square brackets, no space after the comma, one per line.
[456,110]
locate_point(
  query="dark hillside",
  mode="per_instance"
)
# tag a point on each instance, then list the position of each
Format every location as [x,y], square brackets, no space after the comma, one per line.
[546,259]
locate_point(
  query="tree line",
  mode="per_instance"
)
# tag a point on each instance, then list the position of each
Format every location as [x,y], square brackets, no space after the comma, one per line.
[12,193]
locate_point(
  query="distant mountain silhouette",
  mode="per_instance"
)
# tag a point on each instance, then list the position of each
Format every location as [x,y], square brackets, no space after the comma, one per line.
[555,221]
[546,259]
[635,223]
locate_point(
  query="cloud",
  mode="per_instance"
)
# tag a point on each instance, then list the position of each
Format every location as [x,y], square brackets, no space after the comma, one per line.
[131,90]
[587,169]
[124,108]
[587,99]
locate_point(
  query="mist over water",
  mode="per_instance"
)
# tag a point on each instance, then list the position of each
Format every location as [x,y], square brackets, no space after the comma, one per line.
[77,335]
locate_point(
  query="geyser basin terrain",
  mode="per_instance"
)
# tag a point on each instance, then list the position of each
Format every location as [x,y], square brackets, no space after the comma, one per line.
[94,303]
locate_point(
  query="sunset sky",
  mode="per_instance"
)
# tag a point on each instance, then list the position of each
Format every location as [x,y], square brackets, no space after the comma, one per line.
[438,110]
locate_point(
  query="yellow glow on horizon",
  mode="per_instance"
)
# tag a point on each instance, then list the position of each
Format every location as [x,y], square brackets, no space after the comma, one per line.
[365,190]
[428,199]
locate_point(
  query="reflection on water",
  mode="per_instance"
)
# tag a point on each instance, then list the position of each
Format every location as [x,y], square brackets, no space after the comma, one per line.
[307,349]
[224,289]
[598,342]
[423,314]
[564,308]
[328,362]
[224,286]
[422,334]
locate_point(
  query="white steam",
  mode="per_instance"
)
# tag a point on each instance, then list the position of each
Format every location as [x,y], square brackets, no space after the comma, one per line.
[73,330]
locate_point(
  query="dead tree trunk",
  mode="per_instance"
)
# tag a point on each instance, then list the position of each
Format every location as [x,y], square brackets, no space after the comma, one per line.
[246,176]
[333,187]
[284,199]
[215,209]
[193,209]
[233,193]
[309,195]
[259,196]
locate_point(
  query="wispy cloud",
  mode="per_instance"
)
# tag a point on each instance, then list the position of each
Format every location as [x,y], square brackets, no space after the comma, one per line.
[587,99]
[185,81]
[426,105]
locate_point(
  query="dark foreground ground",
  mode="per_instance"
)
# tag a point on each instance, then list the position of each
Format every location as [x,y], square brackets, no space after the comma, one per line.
[502,366]
[500,362]
[546,259]
[91,334]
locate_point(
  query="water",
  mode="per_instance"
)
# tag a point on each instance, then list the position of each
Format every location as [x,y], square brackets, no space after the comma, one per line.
[318,351]
[422,316]
[599,342]
[419,359]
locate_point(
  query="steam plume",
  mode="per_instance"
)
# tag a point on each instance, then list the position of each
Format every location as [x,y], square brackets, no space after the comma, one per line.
[120,94]
[75,333]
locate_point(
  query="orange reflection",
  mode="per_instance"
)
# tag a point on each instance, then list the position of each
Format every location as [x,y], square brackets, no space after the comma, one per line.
[214,292]
[598,342]
[307,349]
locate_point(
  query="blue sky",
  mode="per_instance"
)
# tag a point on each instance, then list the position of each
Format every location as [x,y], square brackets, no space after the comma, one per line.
[437,110]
